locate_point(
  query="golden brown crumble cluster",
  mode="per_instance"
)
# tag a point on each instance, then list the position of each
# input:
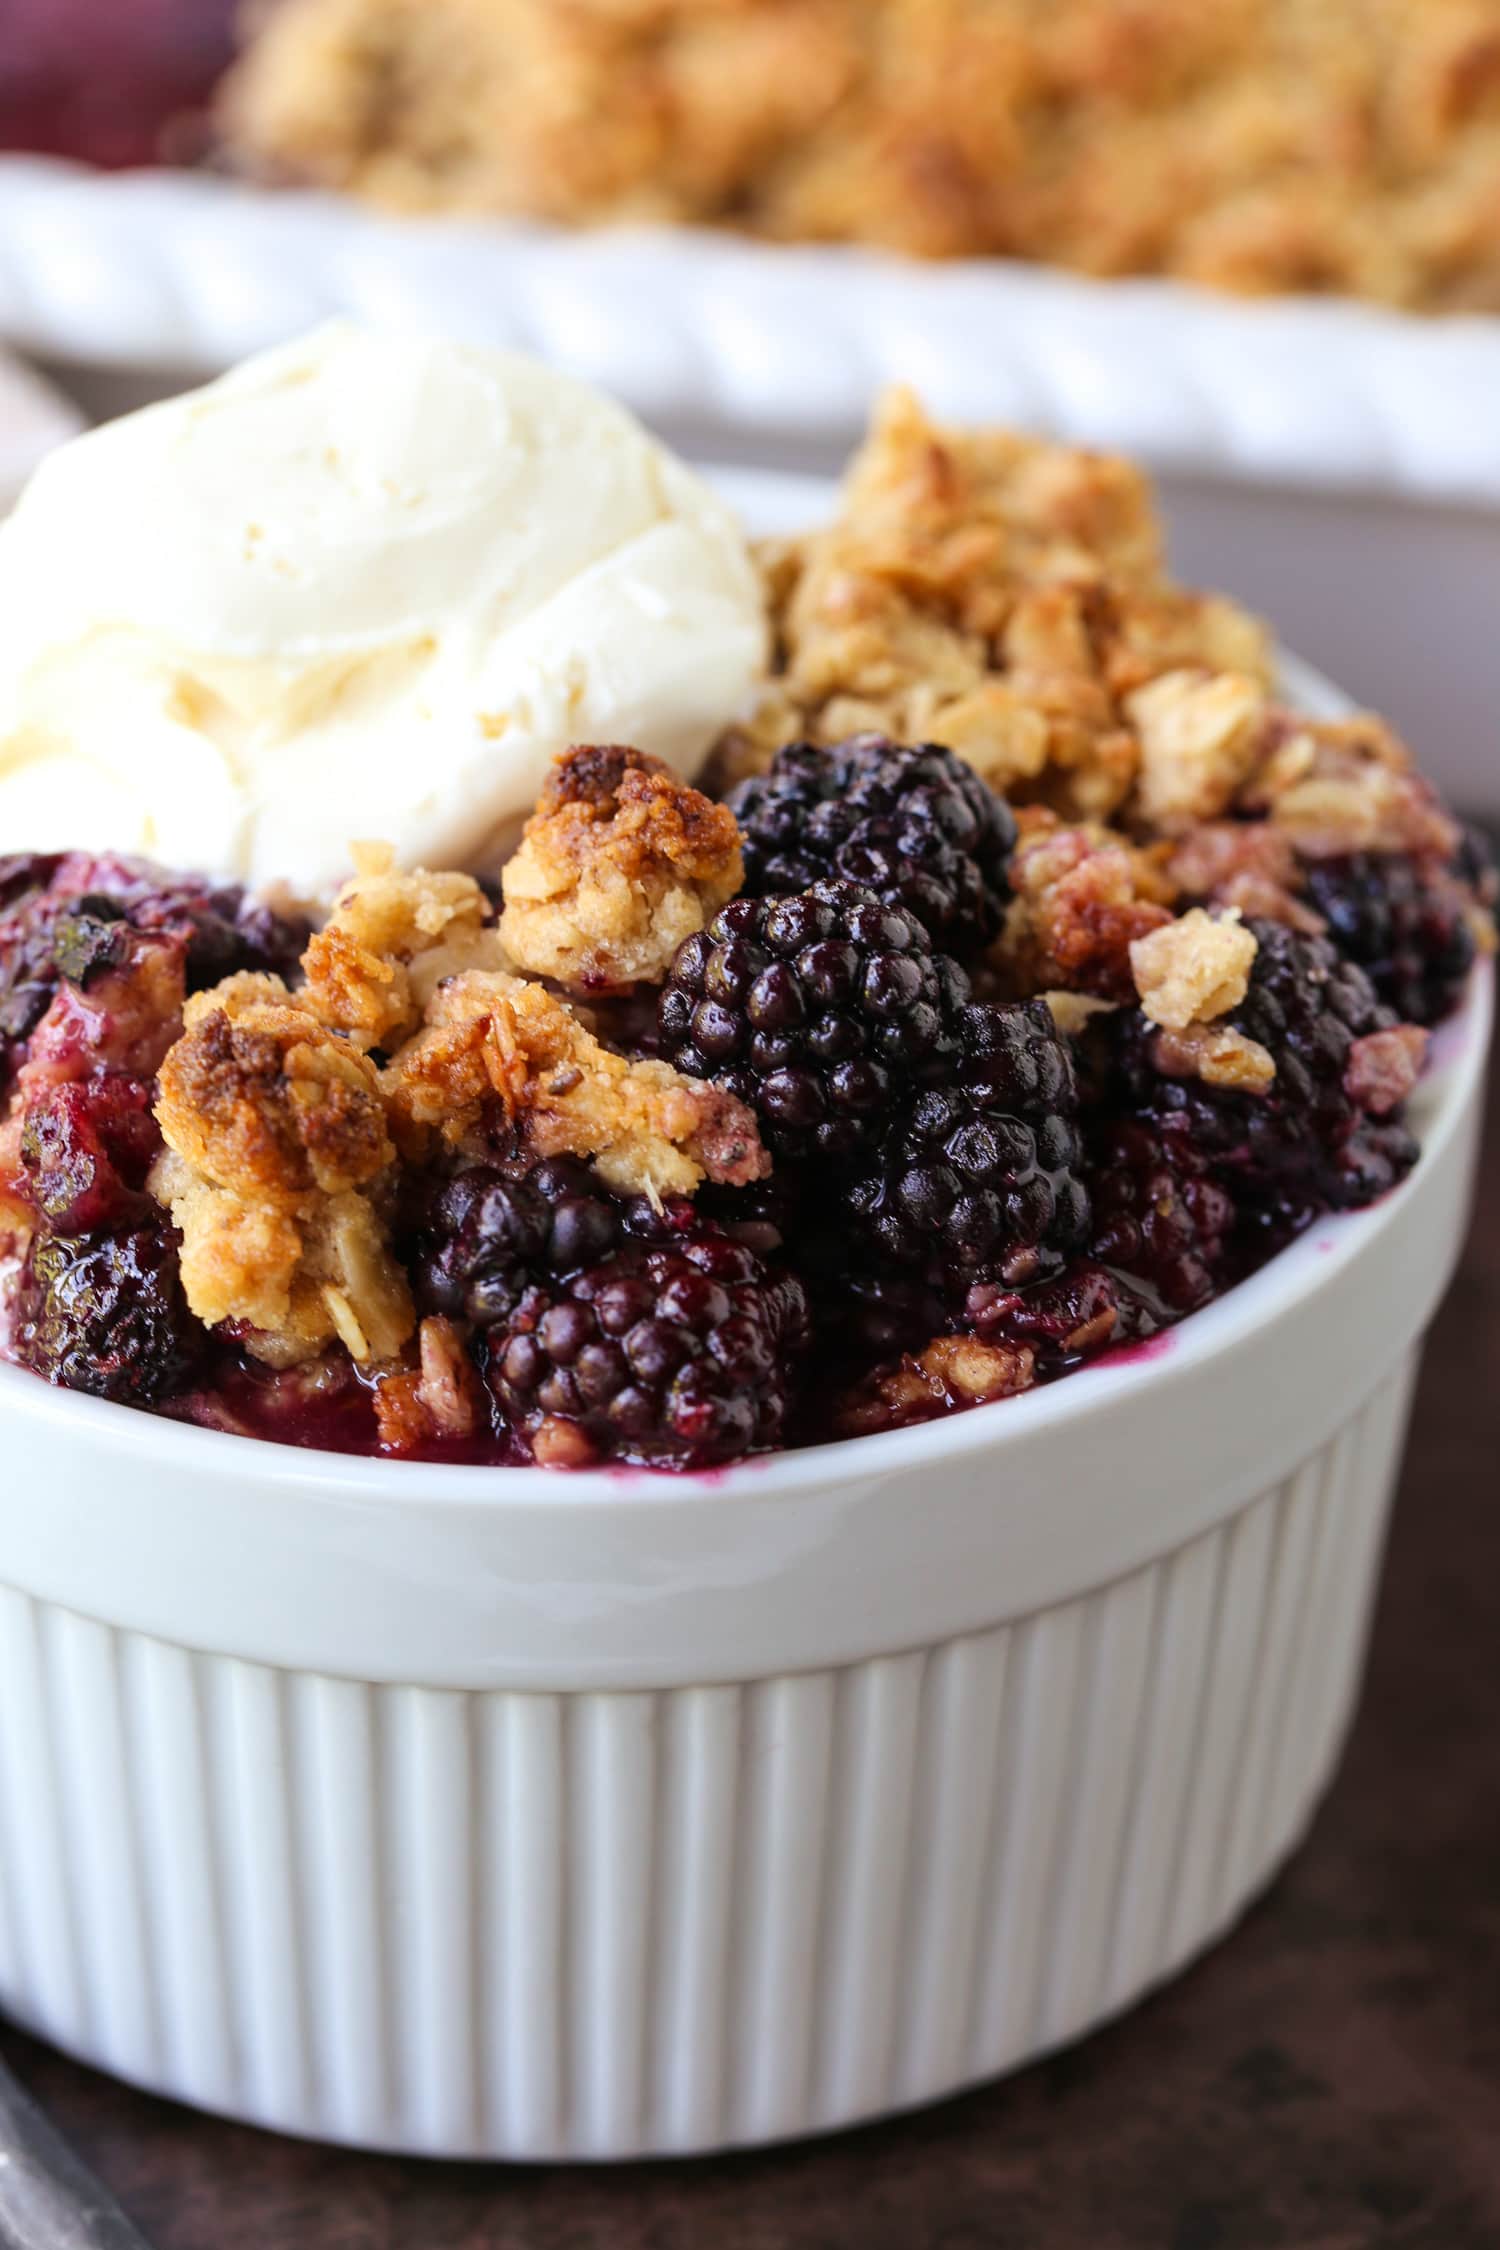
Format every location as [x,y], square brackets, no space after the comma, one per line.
[278,1171]
[1254,145]
[618,865]
[1005,596]
[502,1047]
[285,1135]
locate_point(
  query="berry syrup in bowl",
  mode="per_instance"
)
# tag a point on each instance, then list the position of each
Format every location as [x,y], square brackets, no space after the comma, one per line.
[776,1417]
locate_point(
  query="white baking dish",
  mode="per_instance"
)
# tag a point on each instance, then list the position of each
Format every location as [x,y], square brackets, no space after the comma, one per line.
[512,1814]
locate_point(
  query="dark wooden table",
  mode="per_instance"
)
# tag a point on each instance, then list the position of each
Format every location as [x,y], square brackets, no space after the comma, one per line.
[1329,2079]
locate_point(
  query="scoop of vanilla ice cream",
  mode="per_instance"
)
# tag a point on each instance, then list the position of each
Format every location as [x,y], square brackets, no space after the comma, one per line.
[367,585]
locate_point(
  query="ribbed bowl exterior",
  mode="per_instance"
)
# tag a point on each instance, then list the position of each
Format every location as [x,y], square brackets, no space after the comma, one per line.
[612,1924]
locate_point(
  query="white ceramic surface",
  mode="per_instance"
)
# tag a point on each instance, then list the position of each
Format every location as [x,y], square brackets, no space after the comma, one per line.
[189,271]
[522,1815]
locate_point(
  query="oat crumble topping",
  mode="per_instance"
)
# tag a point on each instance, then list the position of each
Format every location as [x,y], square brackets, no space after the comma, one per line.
[620,862]
[1216,1053]
[389,941]
[1083,896]
[276,1166]
[1253,145]
[498,1046]
[1384,1066]
[993,592]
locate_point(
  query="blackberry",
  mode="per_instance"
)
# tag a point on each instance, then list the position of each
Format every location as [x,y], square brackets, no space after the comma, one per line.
[915,826]
[1071,1317]
[1158,1217]
[679,1357]
[816,1010]
[982,1175]
[66,916]
[224,930]
[490,1232]
[105,1313]
[28,973]
[86,1147]
[1307,1143]
[1404,920]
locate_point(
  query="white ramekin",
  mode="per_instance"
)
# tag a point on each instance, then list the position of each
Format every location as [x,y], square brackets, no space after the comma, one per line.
[525,1815]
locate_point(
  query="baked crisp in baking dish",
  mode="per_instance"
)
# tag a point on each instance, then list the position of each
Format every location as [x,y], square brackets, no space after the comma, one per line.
[1349,146]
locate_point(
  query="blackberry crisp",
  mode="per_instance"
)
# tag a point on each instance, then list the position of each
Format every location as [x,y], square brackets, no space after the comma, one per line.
[680,1357]
[818,1010]
[982,1178]
[917,826]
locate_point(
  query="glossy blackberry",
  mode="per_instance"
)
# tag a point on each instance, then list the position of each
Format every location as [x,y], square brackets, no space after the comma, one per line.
[1305,1144]
[982,1177]
[105,1313]
[28,973]
[491,1232]
[1404,920]
[1072,1316]
[86,1147]
[817,1010]
[1157,1216]
[916,826]
[679,1357]
[66,917]
[225,931]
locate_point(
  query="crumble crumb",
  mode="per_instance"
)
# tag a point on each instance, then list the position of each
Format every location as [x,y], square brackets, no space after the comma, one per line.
[17,1212]
[1082,896]
[1384,1066]
[990,591]
[497,1048]
[619,864]
[440,1398]
[390,939]
[1218,1054]
[1346,785]
[1193,969]
[952,1371]
[1198,734]
[263,1099]
[1248,864]
[277,1166]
